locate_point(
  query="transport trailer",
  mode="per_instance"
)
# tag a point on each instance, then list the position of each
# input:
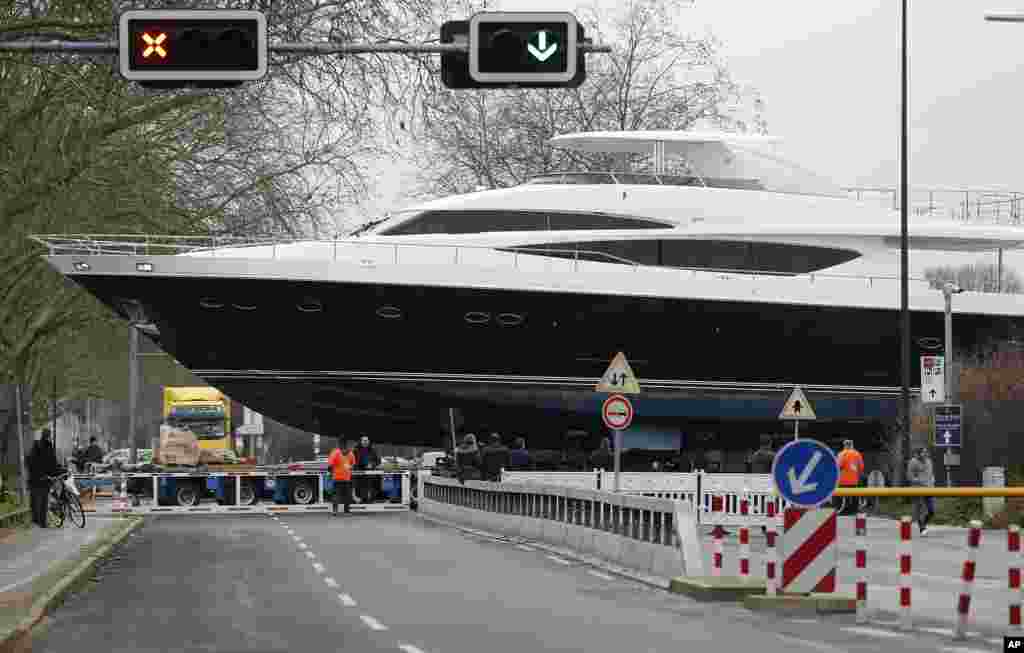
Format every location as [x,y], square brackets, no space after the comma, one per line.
[264,490]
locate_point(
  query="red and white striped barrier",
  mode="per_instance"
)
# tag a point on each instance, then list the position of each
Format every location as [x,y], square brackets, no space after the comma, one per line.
[906,622]
[719,554]
[771,552]
[809,550]
[862,568]
[744,542]
[1014,548]
[963,605]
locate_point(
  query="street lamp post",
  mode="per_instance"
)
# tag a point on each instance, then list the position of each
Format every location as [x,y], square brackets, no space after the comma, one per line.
[904,242]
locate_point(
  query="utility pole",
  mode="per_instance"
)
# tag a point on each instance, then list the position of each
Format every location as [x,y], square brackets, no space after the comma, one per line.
[904,245]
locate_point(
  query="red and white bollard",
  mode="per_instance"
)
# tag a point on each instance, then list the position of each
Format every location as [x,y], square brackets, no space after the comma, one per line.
[963,604]
[744,541]
[862,568]
[771,553]
[1013,547]
[906,623]
[719,550]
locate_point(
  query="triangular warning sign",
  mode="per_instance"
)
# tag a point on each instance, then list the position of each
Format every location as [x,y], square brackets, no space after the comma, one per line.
[619,377]
[797,406]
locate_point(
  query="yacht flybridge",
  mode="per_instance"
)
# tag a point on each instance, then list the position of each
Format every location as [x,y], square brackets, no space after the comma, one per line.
[721,265]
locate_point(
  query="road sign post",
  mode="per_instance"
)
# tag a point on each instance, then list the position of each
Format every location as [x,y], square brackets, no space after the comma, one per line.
[617,413]
[948,435]
[797,408]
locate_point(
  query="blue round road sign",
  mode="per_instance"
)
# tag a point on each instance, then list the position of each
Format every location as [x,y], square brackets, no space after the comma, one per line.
[805,473]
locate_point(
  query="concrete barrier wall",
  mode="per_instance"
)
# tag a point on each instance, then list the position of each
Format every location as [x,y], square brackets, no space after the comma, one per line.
[654,536]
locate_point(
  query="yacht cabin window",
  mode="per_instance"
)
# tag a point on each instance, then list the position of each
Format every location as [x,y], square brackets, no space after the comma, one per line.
[764,258]
[488,220]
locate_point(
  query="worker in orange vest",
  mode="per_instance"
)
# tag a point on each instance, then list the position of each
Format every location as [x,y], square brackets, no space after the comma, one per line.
[851,468]
[341,462]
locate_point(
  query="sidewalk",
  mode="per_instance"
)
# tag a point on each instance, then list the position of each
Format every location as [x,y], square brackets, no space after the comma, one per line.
[38,566]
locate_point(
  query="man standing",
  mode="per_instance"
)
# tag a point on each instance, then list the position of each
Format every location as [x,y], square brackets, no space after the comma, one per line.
[495,457]
[341,462]
[41,463]
[921,474]
[762,459]
[851,467]
[366,459]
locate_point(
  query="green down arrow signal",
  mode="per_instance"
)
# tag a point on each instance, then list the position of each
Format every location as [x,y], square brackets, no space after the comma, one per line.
[542,52]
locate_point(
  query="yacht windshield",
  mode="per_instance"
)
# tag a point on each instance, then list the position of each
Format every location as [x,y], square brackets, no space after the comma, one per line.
[753,168]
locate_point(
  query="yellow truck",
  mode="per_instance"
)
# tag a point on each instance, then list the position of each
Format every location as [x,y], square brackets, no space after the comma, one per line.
[204,411]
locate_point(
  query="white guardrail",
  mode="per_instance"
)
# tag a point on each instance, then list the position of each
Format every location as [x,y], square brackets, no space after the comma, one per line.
[234,492]
[717,496]
[654,536]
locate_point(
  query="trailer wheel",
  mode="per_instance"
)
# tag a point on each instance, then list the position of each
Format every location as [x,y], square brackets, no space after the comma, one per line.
[248,495]
[303,493]
[187,495]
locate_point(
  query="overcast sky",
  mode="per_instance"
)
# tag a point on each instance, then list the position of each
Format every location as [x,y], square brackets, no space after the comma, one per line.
[829,75]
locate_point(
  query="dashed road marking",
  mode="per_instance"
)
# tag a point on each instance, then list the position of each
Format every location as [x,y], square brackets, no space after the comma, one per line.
[372,623]
[319,567]
[601,575]
[944,632]
[875,632]
[964,649]
[818,646]
[803,621]
[347,600]
[310,555]
[333,584]
[560,561]
[523,547]
[303,546]
[409,648]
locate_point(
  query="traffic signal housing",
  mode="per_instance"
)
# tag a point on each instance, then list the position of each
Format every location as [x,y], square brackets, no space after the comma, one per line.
[515,49]
[211,48]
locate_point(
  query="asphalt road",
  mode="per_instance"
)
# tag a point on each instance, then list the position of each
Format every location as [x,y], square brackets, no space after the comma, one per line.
[394,582]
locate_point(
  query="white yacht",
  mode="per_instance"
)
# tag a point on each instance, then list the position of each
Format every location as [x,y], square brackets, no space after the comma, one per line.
[736,271]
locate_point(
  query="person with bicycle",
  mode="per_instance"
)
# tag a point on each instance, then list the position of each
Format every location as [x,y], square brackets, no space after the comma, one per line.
[851,468]
[42,465]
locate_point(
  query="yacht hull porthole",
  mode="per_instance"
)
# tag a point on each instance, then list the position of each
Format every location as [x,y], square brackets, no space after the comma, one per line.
[476,317]
[510,319]
[208,302]
[389,312]
[310,305]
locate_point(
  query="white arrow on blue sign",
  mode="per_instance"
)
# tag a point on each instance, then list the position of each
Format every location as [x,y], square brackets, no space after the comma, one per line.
[805,473]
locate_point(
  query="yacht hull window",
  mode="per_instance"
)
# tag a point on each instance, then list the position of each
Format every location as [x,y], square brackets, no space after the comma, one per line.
[702,254]
[489,220]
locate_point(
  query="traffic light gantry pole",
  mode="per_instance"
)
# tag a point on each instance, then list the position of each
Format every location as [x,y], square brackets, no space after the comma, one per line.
[311,49]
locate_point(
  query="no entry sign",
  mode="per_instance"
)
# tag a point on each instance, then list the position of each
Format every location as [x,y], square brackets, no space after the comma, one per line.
[617,413]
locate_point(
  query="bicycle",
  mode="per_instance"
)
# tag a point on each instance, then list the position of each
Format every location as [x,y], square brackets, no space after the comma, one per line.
[64,503]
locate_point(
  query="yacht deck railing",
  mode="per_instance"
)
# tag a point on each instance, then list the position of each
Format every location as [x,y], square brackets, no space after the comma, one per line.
[161,245]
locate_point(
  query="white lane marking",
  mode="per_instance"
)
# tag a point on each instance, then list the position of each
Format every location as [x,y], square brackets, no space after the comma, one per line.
[409,648]
[523,547]
[944,632]
[372,623]
[559,560]
[818,646]
[964,649]
[803,621]
[319,567]
[600,575]
[333,584]
[296,538]
[347,600]
[303,546]
[291,532]
[310,555]
[874,632]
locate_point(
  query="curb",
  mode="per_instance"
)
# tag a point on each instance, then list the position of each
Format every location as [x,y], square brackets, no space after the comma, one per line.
[722,588]
[56,594]
[803,605]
